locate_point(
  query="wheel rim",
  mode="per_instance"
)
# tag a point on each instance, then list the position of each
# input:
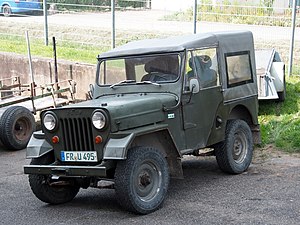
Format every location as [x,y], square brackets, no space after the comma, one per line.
[22,129]
[240,147]
[148,180]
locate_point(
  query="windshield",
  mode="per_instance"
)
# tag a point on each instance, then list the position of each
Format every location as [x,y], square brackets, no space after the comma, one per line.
[140,69]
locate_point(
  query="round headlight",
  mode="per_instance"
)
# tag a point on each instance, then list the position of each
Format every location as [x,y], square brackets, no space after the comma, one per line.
[49,121]
[98,120]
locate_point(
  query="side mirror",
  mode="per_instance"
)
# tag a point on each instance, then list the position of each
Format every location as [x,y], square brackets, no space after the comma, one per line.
[91,91]
[194,85]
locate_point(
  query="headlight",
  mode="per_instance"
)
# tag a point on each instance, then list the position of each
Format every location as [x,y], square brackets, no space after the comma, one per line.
[99,120]
[49,121]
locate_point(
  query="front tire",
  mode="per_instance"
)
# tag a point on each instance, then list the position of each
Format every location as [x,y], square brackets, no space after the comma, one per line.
[234,154]
[142,180]
[46,191]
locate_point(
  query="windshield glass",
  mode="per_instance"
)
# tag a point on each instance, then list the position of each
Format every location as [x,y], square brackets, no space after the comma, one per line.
[145,69]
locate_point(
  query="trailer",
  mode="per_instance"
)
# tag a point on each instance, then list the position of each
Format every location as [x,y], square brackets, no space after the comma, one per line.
[20,102]
[270,70]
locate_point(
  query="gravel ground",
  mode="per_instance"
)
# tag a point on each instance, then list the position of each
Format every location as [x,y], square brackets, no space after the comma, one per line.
[268,193]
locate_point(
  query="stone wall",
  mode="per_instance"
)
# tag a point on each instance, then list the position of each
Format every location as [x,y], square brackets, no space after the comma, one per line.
[43,69]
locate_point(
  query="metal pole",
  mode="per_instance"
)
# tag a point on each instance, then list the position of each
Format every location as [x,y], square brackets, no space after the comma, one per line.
[55,60]
[45,22]
[113,27]
[32,84]
[292,39]
[29,57]
[195,17]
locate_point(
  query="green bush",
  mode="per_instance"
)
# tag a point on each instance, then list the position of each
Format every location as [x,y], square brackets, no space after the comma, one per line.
[87,5]
[280,122]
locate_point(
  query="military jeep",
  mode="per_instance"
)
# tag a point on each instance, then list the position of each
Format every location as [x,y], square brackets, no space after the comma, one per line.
[153,102]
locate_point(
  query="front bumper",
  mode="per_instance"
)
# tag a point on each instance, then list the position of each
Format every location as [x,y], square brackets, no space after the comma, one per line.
[68,171]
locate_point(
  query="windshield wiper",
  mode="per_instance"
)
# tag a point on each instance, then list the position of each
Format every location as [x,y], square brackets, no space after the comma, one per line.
[122,82]
[147,82]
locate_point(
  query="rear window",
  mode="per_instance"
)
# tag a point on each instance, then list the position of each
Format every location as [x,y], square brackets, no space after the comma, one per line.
[238,68]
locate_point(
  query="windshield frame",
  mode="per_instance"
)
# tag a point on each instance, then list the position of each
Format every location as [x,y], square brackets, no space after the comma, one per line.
[122,82]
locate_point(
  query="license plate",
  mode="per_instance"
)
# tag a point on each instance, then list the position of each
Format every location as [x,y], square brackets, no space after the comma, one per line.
[68,156]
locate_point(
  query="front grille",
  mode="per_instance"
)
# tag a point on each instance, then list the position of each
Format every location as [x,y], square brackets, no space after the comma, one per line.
[77,134]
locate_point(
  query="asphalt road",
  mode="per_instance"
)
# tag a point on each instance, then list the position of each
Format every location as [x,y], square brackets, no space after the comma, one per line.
[268,193]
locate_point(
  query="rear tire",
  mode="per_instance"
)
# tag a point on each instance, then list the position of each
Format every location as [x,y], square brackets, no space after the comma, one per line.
[234,154]
[47,192]
[16,127]
[142,180]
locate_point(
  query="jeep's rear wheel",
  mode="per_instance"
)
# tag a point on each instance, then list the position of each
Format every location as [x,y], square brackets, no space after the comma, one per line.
[48,191]
[142,180]
[234,154]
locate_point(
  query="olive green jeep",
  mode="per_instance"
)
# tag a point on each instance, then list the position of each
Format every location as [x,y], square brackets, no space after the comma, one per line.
[153,102]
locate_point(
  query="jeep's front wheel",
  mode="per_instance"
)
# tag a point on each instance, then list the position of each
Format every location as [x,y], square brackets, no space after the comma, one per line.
[234,154]
[48,191]
[142,180]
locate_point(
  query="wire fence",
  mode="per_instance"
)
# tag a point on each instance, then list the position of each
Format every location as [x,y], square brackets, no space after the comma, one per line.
[90,24]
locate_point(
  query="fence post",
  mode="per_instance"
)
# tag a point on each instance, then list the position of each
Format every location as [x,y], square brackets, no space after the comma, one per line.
[45,22]
[113,27]
[292,39]
[195,17]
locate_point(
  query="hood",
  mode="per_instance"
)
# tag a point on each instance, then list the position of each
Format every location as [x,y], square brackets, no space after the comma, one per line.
[128,111]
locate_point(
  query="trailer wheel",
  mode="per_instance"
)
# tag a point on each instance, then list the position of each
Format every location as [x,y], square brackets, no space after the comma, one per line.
[16,127]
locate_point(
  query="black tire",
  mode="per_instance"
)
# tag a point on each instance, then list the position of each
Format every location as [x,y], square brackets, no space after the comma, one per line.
[52,194]
[6,10]
[234,154]
[142,180]
[16,127]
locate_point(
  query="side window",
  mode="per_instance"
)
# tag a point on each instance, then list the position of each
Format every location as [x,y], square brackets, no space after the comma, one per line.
[238,68]
[206,64]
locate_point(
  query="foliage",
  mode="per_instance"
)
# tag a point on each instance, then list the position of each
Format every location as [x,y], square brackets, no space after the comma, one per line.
[268,3]
[280,122]
[95,5]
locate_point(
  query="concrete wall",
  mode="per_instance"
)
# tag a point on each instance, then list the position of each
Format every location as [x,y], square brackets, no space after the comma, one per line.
[43,69]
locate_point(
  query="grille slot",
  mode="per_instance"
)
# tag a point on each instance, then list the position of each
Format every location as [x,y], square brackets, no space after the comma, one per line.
[77,134]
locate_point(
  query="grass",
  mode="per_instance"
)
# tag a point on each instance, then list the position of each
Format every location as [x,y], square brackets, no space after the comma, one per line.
[280,122]
[68,51]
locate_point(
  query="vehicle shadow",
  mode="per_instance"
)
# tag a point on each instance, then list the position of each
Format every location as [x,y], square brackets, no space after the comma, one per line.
[199,173]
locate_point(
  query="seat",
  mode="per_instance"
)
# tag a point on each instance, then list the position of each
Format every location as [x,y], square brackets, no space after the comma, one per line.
[158,71]
[207,76]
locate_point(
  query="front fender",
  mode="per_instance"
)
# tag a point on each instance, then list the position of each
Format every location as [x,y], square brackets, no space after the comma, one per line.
[37,146]
[118,144]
